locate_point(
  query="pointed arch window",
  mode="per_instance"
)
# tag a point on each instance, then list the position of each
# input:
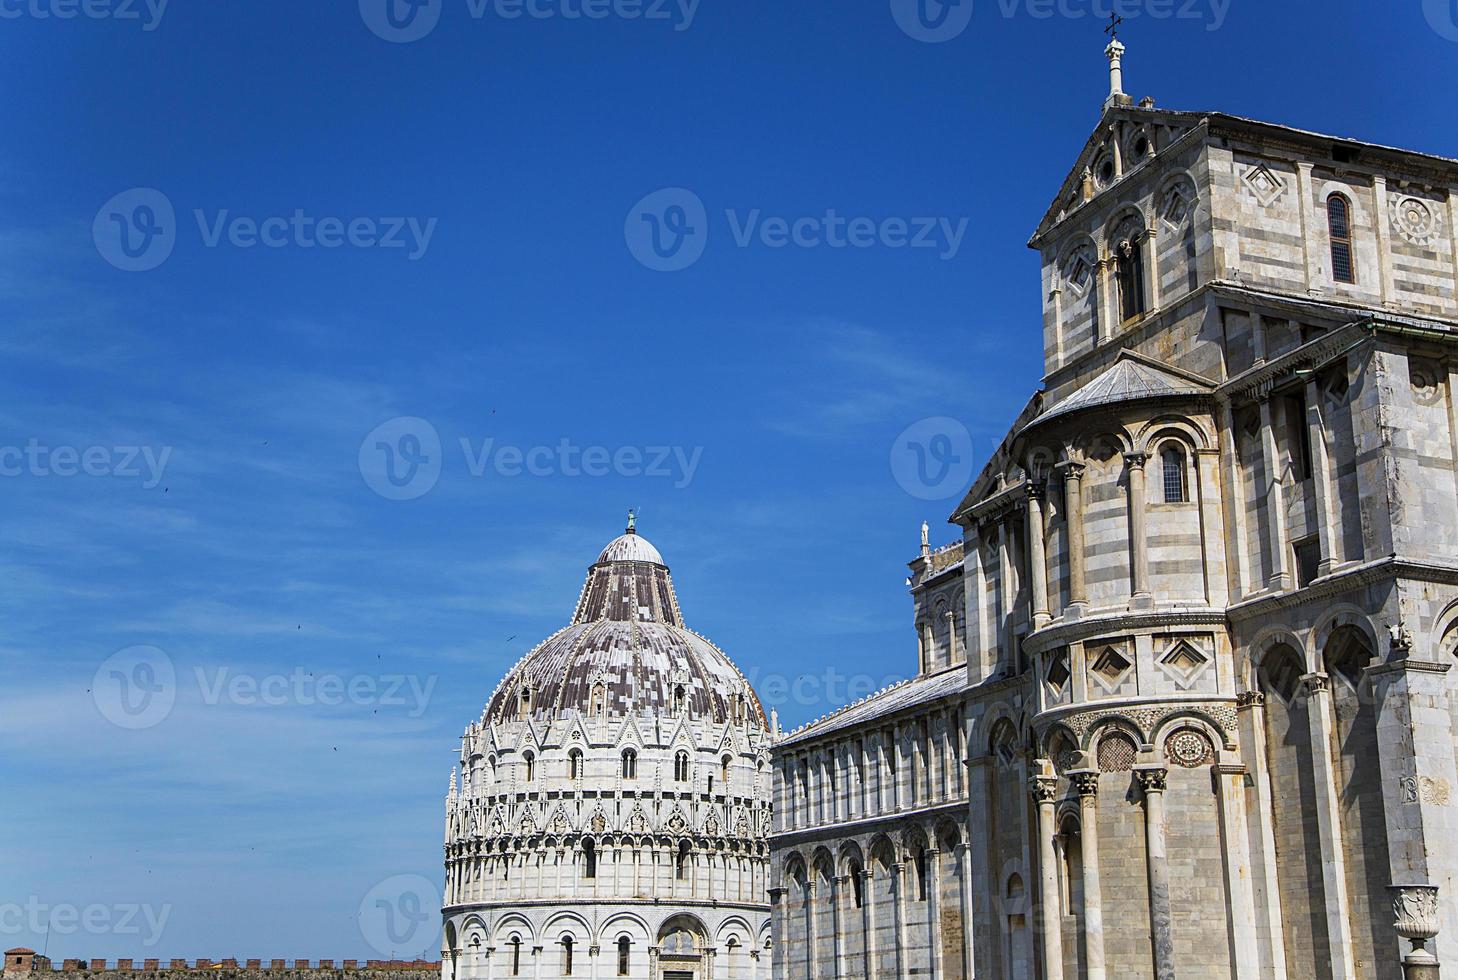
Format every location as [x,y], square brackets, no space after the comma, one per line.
[1172,465]
[680,699]
[1339,225]
[630,764]
[531,765]
[598,703]
[724,772]
[574,764]
[681,767]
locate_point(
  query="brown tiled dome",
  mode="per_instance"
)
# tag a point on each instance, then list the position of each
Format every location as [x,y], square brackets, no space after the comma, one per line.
[627,650]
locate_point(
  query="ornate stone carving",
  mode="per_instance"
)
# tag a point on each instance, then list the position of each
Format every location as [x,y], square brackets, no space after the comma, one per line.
[1415,909]
[1086,782]
[1152,779]
[1043,788]
[1425,789]
[1264,185]
[1188,748]
[1415,220]
[1250,699]
[1146,720]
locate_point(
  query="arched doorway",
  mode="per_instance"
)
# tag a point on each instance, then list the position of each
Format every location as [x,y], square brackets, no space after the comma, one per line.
[681,943]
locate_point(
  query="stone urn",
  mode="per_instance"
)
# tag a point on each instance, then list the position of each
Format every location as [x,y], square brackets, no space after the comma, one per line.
[1415,908]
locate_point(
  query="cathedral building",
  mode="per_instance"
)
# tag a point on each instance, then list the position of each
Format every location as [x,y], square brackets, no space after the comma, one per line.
[1185,703]
[610,813]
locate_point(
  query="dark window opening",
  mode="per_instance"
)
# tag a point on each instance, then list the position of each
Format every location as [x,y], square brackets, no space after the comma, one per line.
[1131,279]
[1308,561]
[1339,223]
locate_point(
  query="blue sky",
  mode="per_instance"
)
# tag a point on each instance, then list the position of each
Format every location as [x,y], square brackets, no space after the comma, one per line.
[217,513]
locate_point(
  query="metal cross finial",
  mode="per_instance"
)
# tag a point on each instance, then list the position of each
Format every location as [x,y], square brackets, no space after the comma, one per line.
[1113,29]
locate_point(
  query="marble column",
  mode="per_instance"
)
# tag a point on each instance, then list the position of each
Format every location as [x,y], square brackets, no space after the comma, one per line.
[779,921]
[898,911]
[1138,531]
[964,864]
[1087,783]
[934,910]
[1044,788]
[1251,710]
[1037,555]
[1329,825]
[1418,772]
[837,922]
[812,959]
[1321,483]
[1073,511]
[868,919]
[1279,578]
[1240,908]
[1152,780]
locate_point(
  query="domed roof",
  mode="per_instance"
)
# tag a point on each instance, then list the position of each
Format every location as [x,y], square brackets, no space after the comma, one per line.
[627,650]
[630,547]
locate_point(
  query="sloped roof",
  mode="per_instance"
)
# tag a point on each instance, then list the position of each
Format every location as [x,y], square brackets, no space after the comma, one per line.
[907,694]
[1130,378]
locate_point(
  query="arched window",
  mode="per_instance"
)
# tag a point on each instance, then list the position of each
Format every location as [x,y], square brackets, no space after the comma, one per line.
[566,956]
[921,874]
[1339,224]
[1130,262]
[724,772]
[526,699]
[681,767]
[516,956]
[574,763]
[1172,461]
[625,945]
[598,703]
[589,859]
[680,699]
[531,766]
[681,865]
[630,764]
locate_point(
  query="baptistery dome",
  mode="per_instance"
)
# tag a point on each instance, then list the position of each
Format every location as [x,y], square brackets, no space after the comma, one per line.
[627,650]
[613,800]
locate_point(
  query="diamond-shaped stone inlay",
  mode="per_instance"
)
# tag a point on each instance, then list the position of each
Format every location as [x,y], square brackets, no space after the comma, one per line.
[1264,184]
[1111,666]
[1185,660]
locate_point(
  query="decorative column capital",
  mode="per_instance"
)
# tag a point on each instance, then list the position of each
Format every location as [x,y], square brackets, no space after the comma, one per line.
[1036,492]
[1136,460]
[1250,699]
[1151,778]
[1044,789]
[1086,781]
[1071,469]
[864,874]
[1317,682]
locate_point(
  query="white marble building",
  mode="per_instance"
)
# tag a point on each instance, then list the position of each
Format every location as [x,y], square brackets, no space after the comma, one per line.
[1186,704]
[610,814]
